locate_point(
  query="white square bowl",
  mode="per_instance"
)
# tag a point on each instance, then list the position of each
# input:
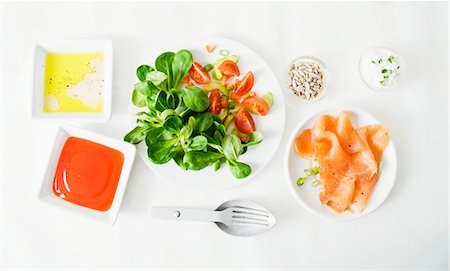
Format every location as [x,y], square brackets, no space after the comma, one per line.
[41,48]
[46,193]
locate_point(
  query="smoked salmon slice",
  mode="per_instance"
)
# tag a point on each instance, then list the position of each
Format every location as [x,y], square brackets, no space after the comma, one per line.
[377,137]
[348,159]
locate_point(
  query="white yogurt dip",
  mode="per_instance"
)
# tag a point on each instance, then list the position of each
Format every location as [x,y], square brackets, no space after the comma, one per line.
[381,68]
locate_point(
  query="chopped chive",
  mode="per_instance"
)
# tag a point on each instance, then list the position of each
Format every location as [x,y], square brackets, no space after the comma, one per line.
[301,181]
[398,67]
[384,71]
[374,62]
[381,82]
[315,183]
[315,170]
[390,59]
[379,61]
[307,172]
[386,76]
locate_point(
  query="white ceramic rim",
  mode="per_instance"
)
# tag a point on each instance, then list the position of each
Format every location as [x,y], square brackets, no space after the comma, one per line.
[129,152]
[238,181]
[402,61]
[291,139]
[82,117]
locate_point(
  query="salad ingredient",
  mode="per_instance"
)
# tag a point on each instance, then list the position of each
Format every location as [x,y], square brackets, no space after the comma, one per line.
[215,102]
[224,52]
[208,67]
[216,73]
[87,173]
[348,159]
[216,85]
[268,98]
[301,181]
[229,68]
[244,85]
[209,48]
[381,68]
[195,98]
[177,125]
[142,72]
[244,121]
[198,74]
[186,79]
[310,173]
[181,64]
[73,82]
[256,105]
[306,79]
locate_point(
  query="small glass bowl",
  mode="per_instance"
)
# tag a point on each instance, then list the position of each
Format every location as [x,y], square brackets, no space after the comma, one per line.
[325,80]
[366,60]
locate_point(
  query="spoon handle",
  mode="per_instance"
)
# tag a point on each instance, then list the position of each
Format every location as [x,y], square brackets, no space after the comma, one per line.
[186,214]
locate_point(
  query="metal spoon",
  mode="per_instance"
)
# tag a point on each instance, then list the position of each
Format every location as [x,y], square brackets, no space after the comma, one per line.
[236,217]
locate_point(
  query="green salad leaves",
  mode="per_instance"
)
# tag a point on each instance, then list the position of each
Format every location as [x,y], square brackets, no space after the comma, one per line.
[175,123]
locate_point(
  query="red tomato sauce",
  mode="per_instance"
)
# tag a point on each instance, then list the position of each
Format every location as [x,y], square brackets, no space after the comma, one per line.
[88,173]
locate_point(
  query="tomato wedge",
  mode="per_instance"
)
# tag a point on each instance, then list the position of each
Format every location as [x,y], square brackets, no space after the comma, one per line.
[209,48]
[198,74]
[186,79]
[229,68]
[224,103]
[244,121]
[256,104]
[234,97]
[215,102]
[245,84]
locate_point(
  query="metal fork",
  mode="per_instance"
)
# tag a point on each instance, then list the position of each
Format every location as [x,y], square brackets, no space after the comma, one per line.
[234,217]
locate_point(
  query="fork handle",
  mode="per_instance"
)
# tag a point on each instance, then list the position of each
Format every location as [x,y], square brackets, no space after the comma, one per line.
[185,214]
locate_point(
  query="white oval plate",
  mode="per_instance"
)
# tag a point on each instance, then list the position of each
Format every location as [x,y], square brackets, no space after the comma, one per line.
[270,126]
[308,196]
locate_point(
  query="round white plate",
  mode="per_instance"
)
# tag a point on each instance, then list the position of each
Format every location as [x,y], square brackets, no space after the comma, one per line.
[308,196]
[270,126]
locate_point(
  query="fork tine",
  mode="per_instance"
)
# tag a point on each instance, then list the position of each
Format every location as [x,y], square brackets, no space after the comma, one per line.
[249,209]
[235,221]
[249,213]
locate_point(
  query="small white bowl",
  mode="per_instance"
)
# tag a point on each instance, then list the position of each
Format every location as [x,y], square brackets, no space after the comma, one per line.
[41,48]
[46,194]
[363,68]
[294,99]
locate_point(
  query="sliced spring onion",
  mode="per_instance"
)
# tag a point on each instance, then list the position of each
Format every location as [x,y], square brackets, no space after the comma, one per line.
[301,181]
[224,52]
[208,67]
[315,183]
[315,170]
[307,172]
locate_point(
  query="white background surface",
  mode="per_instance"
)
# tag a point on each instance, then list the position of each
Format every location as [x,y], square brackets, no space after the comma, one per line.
[408,231]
